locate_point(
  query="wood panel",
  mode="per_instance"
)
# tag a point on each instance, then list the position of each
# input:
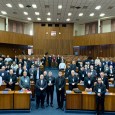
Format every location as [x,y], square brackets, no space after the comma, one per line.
[15,38]
[59,44]
[12,49]
[94,39]
[97,50]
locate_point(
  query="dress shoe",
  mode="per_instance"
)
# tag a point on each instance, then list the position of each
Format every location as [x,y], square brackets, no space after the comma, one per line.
[47,105]
[58,108]
[42,107]
[51,105]
[62,109]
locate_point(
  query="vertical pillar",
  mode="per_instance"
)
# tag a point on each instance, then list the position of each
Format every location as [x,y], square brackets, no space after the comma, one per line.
[99,26]
[6,23]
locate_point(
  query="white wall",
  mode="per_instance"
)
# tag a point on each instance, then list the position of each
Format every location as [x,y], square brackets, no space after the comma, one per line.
[106,26]
[28,28]
[79,29]
[2,24]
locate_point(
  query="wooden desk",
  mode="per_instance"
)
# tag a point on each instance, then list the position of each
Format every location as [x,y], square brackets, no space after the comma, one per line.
[17,87]
[73,101]
[22,100]
[6,100]
[88,101]
[82,88]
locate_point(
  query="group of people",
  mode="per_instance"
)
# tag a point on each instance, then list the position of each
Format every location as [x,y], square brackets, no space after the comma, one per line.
[95,74]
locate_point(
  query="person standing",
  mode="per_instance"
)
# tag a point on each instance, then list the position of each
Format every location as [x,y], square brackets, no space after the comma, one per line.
[60,89]
[100,90]
[50,88]
[41,85]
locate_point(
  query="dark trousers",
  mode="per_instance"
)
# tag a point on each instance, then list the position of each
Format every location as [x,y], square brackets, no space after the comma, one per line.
[100,102]
[49,95]
[60,98]
[49,64]
[39,98]
[71,87]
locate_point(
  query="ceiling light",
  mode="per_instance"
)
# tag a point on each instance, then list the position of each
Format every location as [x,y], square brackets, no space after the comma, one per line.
[48,13]
[4,12]
[21,5]
[69,14]
[25,13]
[34,5]
[97,7]
[80,14]
[48,19]
[92,14]
[9,5]
[102,14]
[29,18]
[57,19]
[59,6]
[37,13]
[38,19]
[68,19]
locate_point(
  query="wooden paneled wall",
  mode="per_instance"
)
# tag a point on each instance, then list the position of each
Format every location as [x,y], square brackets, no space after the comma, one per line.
[15,38]
[60,44]
[94,39]
[12,50]
[97,51]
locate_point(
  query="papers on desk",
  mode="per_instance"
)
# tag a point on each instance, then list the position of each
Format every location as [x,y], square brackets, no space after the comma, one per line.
[5,92]
[89,93]
[111,85]
[29,92]
[107,93]
[21,91]
[68,91]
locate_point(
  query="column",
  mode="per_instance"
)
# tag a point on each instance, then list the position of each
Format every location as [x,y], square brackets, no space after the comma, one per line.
[99,26]
[6,23]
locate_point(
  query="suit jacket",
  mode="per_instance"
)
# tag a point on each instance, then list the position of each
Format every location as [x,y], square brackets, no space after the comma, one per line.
[49,59]
[35,74]
[17,72]
[100,69]
[67,72]
[102,87]
[14,80]
[3,74]
[16,60]
[82,75]
[73,67]
[52,79]
[88,84]
[93,73]
[111,75]
[58,60]
[105,81]
[39,85]
[60,83]
[73,80]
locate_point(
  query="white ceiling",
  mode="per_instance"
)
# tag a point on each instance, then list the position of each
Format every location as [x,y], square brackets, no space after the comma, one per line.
[53,8]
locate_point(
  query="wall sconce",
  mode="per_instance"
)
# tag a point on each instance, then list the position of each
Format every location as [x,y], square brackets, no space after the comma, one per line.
[59,32]
[46,32]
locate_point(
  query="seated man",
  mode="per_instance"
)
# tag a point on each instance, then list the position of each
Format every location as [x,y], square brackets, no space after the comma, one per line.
[73,80]
[24,82]
[100,90]
[11,80]
[88,82]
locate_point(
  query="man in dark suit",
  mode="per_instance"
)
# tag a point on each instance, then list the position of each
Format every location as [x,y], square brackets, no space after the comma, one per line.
[16,59]
[50,88]
[100,90]
[73,66]
[67,71]
[100,68]
[10,80]
[60,89]
[111,73]
[58,60]
[73,80]
[41,85]
[49,60]
[88,82]
[37,74]
[3,73]
[43,60]
[19,71]
[104,80]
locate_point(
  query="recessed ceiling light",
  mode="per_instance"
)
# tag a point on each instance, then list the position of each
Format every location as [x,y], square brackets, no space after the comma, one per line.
[57,19]
[4,12]
[37,13]
[59,6]
[25,13]
[29,18]
[68,19]
[92,14]
[38,19]
[34,5]
[97,7]
[48,19]
[21,5]
[102,14]
[80,14]
[48,13]
[9,5]
[69,14]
